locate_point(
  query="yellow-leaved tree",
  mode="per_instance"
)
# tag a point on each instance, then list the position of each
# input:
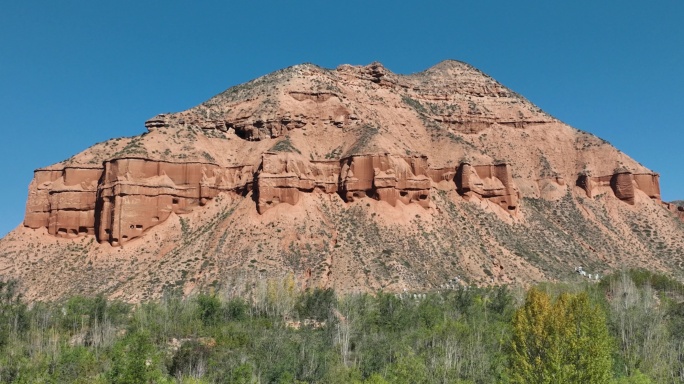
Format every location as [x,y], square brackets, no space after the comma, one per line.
[564,341]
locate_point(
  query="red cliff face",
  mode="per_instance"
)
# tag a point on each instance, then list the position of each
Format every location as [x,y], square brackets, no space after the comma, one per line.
[131,195]
[675,209]
[386,178]
[63,201]
[493,182]
[119,202]
[136,194]
[381,177]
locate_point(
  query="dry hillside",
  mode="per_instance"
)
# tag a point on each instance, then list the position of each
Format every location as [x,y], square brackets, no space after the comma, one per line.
[353,178]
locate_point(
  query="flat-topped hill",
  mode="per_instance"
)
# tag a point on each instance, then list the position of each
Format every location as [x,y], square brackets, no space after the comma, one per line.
[354,178]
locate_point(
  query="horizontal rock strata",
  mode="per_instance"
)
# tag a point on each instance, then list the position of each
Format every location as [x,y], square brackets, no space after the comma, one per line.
[125,197]
[120,201]
[624,184]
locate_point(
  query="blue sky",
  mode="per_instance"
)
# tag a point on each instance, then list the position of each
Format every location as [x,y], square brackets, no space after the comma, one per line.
[73,73]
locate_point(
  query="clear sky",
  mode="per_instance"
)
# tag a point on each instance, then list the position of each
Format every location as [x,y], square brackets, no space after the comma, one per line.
[74,73]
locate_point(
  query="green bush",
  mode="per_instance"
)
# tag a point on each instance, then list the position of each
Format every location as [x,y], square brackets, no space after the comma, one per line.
[191,358]
[208,309]
[135,359]
[315,304]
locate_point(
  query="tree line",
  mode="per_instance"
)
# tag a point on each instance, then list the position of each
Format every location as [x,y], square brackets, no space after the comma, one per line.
[629,328]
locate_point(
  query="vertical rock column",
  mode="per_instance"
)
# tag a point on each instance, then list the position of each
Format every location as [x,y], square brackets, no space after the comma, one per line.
[649,183]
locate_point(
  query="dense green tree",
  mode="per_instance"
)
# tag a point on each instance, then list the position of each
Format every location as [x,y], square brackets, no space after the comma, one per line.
[236,309]
[190,359]
[635,378]
[242,374]
[637,317]
[375,379]
[208,309]
[76,365]
[13,312]
[565,341]
[407,368]
[315,304]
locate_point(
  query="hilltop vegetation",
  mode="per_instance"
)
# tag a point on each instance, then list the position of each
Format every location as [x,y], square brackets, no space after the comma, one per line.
[625,329]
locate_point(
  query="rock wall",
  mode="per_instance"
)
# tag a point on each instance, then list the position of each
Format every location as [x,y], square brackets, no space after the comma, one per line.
[623,186]
[649,183]
[284,175]
[676,209]
[137,194]
[384,177]
[623,183]
[125,197]
[260,123]
[387,178]
[63,201]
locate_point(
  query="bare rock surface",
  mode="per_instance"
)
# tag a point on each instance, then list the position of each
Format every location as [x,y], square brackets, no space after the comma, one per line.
[354,178]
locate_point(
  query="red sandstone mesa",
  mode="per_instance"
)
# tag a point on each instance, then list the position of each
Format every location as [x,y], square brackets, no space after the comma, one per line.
[352,178]
[357,132]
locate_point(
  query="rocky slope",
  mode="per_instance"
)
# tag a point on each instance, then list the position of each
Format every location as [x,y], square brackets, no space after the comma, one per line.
[355,178]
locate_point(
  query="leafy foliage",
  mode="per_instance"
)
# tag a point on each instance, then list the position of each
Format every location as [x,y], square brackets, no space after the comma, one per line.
[316,304]
[135,360]
[623,330]
[565,341]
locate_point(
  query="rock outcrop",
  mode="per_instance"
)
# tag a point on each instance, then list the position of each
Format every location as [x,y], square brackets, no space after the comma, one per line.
[382,177]
[119,202]
[492,182]
[386,178]
[63,200]
[128,196]
[136,194]
[284,176]
[623,184]
[676,209]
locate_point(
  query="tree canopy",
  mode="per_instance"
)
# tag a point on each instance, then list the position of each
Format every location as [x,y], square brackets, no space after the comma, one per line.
[560,341]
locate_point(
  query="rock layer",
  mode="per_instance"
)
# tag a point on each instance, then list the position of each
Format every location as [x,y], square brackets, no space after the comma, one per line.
[678,210]
[493,182]
[386,178]
[124,198]
[63,201]
[128,196]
